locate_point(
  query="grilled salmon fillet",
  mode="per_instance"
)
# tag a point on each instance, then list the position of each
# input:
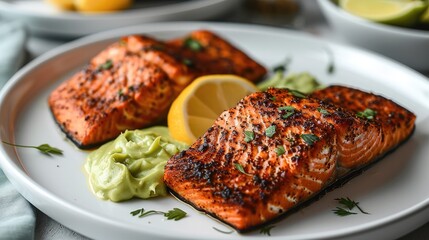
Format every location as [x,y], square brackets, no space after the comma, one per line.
[216,53]
[276,150]
[132,83]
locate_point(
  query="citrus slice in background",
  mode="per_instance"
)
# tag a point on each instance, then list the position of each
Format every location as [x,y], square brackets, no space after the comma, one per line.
[201,103]
[394,12]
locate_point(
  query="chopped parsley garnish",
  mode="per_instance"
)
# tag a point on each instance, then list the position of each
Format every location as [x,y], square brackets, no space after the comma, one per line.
[297,93]
[249,136]
[342,212]
[225,232]
[310,139]
[280,150]
[266,230]
[120,92]
[367,113]
[188,62]
[106,65]
[44,148]
[175,214]
[283,68]
[273,98]
[331,65]
[289,111]
[348,205]
[270,131]
[193,44]
[241,169]
[279,68]
[324,112]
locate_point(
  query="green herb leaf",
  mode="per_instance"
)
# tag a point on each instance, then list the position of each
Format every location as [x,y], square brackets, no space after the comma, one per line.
[367,113]
[342,212]
[310,139]
[280,150]
[270,131]
[286,108]
[289,111]
[225,232]
[331,68]
[297,93]
[44,148]
[241,169]
[188,62]
[193,44]
[279,68]
[273,98]
[331,65]
[282,68]
[266,230]
[175,214]
[324,112]
[249,136]
[106,66]
[350,204]
[137,212]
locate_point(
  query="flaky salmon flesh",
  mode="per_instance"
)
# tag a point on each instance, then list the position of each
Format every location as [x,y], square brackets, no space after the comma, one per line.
[132,83]
[278,149]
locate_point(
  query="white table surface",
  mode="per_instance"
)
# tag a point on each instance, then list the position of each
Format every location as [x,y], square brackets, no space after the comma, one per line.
[315,24]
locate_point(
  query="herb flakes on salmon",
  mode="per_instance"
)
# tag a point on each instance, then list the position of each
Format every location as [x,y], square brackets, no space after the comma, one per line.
[275,151]
[132,83]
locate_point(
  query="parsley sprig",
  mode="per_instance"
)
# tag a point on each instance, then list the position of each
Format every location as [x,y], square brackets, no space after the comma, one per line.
[175,214]
[266,230]
[348,205]
[44,148]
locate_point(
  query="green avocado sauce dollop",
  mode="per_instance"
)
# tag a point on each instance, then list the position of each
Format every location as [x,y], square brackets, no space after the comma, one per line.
[132,165]
[303,82]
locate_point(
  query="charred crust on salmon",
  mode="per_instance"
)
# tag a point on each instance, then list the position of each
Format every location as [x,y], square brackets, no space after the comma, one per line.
[132,83]
[269,185]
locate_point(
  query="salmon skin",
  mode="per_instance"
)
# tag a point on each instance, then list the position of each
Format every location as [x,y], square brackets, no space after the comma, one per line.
[277,150]
[132,83]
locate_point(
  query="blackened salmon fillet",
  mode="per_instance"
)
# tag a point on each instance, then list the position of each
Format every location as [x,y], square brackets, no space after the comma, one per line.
[277,149]
[132,83]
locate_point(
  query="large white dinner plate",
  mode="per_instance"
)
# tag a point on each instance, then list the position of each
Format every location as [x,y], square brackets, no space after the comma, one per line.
[394,191]
[44,19]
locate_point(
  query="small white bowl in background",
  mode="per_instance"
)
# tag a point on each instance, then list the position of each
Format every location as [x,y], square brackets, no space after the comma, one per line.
[408,46]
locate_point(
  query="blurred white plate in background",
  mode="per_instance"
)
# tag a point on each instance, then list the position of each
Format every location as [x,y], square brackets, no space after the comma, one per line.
[43,19]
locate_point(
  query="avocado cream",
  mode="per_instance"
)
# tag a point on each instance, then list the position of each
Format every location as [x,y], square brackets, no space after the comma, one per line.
[132,165]
[303,82]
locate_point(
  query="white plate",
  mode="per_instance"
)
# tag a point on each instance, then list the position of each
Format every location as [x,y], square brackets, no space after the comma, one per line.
[394,191]
[43,19]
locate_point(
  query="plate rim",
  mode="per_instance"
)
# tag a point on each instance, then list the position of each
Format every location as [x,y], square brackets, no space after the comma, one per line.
[17,176]
[168,8]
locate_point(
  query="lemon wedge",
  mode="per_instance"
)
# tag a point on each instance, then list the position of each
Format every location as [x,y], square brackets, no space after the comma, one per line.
[200,103]
[101,5]
[395,12]
[62,4]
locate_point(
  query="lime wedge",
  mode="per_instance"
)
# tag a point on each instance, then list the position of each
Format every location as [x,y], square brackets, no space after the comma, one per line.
[425,16]
[395,12]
